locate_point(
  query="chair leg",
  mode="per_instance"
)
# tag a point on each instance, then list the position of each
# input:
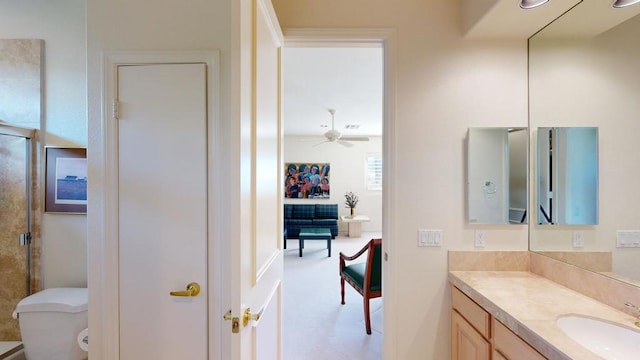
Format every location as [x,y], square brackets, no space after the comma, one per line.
[342,289]
[300,246]
[367,316]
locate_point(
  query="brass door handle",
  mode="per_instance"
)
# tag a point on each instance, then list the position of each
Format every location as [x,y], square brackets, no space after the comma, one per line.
[193,289]
[249,316]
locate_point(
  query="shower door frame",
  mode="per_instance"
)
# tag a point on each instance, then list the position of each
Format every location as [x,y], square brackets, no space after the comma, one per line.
[28,134]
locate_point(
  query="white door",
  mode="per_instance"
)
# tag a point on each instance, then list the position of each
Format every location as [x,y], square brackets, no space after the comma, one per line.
[256,261]
[162,210]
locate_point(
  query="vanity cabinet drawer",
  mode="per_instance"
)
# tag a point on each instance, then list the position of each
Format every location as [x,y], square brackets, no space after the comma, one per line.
[472,312]
[508,346]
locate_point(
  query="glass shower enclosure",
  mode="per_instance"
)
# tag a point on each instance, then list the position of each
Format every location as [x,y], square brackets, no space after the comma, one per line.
[15,224]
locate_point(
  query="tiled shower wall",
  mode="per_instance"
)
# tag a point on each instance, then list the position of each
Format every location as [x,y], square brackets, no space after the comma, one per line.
[21,82]
[20,105]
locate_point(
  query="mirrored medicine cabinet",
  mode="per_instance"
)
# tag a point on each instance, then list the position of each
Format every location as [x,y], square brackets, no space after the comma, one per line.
[567,175]
[497,175]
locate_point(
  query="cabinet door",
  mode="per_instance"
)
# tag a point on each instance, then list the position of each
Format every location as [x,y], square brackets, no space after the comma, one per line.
[466,342]
[473,313]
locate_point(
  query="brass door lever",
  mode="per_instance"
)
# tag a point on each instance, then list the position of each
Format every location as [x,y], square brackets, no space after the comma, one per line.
[193,289]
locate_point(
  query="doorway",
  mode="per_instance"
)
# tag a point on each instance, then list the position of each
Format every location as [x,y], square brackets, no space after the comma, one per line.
[158,204]
[305,122]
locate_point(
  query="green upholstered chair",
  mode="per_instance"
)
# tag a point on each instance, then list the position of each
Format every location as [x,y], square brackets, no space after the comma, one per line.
[365,277]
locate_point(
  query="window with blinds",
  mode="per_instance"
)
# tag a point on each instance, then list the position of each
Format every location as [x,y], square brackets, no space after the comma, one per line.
[374,172]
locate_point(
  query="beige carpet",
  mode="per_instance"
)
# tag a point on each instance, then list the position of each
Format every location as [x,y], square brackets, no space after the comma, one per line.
[316,325]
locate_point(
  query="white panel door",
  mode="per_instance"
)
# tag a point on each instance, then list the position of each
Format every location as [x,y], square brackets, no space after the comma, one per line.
[162,210]
[257,269]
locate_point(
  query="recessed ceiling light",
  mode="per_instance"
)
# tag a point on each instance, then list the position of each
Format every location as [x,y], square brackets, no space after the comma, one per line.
[530,4]
[624,3]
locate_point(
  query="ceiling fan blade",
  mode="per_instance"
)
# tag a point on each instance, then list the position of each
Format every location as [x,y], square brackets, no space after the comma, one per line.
[344,143]
[320,143]
[355,138]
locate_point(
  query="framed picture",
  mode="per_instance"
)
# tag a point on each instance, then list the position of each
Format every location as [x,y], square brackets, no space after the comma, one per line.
[307,181]
[65,180]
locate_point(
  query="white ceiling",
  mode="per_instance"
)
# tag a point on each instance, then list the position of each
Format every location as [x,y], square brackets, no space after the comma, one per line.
[589,19]
[498,19]
[347,79]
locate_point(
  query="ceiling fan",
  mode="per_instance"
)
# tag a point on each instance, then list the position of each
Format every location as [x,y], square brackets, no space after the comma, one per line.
[334,135]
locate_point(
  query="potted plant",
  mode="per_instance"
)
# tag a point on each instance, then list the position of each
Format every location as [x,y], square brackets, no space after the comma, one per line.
[351,201]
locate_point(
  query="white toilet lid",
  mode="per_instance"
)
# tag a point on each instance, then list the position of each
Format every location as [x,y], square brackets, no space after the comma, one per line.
[69,300]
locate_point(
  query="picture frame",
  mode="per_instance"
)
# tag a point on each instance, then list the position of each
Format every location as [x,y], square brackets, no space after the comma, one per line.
[65,180]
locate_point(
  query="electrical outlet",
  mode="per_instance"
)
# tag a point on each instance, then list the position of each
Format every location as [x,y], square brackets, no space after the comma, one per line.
[578,239]
[480,241]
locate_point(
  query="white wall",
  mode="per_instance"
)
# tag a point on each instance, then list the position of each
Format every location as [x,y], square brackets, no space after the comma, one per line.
[445,84]
[348,173]
[61,25]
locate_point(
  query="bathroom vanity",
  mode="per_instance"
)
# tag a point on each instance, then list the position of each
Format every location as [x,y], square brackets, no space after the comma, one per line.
[512,314]
[475,333]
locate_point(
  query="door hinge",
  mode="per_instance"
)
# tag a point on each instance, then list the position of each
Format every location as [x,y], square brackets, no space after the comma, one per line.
[235,322]
[25,239]
[116,109]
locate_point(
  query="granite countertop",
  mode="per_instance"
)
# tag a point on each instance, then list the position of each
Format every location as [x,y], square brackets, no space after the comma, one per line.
[529,305]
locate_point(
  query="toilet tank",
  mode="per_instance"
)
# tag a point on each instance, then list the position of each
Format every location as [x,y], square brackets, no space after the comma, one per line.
[50,322]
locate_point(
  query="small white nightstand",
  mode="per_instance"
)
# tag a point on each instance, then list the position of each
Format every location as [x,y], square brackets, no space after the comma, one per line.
[354,223]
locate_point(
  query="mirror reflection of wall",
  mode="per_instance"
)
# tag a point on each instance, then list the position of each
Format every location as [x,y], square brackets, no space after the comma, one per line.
[497,175]
[568,175]
[581,77]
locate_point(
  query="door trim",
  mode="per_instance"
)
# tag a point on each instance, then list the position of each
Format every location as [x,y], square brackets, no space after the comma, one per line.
[387,39]
[103,246]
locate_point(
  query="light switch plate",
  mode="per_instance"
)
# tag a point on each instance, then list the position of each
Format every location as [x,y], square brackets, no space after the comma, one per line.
[628,238]
[429,237]
[423,238]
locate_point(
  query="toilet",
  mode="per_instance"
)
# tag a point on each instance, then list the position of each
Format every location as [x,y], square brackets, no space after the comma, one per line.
[50,322]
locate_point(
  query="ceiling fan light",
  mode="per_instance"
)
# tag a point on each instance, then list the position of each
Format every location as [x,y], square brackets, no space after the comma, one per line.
[530,4]
[624,3]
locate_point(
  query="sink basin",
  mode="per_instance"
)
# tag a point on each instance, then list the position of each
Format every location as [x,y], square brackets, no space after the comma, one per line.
[607,339]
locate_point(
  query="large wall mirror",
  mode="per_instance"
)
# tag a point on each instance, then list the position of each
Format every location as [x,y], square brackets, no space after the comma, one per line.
[583,72]
[497,175]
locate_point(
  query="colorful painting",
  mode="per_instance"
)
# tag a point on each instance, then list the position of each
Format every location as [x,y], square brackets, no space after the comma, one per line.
[307,181]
